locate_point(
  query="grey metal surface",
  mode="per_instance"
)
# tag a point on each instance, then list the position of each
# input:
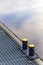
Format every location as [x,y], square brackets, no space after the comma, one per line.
[10,54]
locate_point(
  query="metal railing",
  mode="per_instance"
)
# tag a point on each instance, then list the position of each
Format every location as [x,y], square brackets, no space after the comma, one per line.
[11,31]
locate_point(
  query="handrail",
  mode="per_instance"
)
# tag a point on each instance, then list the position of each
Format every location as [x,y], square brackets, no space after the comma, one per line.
[11,31]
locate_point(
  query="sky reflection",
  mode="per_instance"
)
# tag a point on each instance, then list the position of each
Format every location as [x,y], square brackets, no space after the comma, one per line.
[25,18]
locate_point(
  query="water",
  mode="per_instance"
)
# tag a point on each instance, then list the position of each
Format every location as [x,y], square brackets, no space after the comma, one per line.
[27,25]
[26,20]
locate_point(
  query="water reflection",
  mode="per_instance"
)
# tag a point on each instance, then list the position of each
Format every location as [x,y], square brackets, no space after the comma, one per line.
[29,25]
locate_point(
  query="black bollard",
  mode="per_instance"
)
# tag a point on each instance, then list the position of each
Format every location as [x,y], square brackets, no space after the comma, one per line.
[24,43]
[31,49]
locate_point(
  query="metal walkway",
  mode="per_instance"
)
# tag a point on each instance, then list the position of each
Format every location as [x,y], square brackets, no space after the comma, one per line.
[10,54]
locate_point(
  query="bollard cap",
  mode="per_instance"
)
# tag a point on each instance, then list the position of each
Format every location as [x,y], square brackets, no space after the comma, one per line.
[31,45]
[24,39]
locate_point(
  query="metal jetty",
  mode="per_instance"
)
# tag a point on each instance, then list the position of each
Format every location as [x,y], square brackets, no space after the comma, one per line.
[10,53]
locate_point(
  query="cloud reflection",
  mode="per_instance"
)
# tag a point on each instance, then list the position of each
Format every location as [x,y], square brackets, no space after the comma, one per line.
[26,20]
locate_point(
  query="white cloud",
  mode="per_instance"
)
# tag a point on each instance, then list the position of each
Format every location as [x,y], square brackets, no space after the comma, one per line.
[7,6]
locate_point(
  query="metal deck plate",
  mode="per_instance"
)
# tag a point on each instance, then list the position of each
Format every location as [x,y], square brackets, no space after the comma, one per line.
[10,54]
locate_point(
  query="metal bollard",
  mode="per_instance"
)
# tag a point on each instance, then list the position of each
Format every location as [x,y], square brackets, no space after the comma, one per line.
[31,49]
[24,43]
